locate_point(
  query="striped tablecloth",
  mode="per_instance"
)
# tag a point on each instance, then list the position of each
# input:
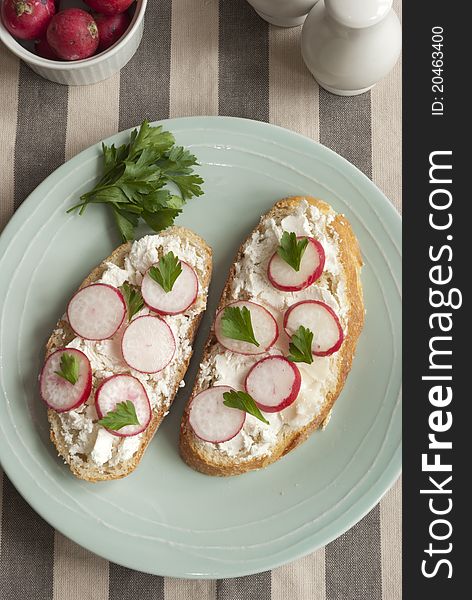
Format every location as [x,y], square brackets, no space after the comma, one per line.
[197,57]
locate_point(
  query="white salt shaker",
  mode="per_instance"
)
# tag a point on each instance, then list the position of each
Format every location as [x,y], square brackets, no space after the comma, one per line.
[350,45]
[284,13]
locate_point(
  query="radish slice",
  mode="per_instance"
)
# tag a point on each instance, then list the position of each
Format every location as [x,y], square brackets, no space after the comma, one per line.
[58,393]
[274,383]
[213,421]
[283,277]
[321,320]
[148,344]
[96,311]
[120,388]
[264,326]
[181,296]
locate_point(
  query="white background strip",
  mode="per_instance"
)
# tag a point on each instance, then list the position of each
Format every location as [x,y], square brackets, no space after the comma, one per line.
[304,578]
[78,574]
[387,132]
[188,589]
[293,93]
[391,542]
[194,58]
[92,115]
[8,121]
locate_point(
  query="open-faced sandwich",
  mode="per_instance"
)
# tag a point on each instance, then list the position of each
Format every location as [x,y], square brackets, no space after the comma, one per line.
[282,343]
[117,357]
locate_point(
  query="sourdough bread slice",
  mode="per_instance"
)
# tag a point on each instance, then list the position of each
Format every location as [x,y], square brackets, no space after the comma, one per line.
[258,445]
[76,444]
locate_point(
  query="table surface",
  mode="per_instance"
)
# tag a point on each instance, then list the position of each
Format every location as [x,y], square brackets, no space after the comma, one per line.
[197,57]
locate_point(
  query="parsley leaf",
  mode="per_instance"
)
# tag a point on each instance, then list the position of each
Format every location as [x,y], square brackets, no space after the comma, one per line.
[167,271]
[291,250]
[126,222]
[69,368]
[123,415]
[134,176]
[244,402]
[134,300]
[236,324]
[300,346]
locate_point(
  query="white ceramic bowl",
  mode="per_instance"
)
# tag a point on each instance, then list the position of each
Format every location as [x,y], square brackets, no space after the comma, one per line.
[87,71]
[284,13]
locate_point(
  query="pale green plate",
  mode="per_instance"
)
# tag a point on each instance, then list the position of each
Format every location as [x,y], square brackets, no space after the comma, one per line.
[165,518]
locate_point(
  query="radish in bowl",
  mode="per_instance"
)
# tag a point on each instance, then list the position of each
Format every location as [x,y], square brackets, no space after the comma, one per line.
[73,34]
[111,28]
[27,19]
[109,7]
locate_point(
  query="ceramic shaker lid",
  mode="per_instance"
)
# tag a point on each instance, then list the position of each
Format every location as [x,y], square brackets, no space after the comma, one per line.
[358,14]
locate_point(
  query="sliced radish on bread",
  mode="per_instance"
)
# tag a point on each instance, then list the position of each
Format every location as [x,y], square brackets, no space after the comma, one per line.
[96,311]
[181,296]
[263,324]
[273,383]
[213,421]
[148,344]
[123,388]
[321,320]
[57,392]
[285,278]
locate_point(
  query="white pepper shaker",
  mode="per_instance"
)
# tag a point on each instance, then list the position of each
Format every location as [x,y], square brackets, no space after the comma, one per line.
[349,46]
[284,13]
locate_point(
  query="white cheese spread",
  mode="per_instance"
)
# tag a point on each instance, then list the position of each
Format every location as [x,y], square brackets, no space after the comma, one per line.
[87,440]
[251,282]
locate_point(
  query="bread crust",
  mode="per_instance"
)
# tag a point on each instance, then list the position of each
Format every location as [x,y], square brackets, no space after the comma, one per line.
[193,452]
[90,472]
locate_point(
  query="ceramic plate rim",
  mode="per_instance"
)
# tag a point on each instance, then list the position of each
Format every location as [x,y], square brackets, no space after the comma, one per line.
[360,507]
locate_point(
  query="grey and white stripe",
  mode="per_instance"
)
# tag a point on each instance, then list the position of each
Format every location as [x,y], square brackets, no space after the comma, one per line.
[345,126]
[353,567]
[27,552]
[208,57]
[194,58]
[41,131]
[244,62]
[78,574]
[126,584]
[10,76]
[144,82]
[251,587]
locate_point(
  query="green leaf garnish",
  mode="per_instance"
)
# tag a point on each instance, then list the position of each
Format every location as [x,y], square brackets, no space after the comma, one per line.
[123,415]
[134,300]
[69,368]
[236,324]
[166,272]
[291,250]
[300,346]
[244,402]
[134,175]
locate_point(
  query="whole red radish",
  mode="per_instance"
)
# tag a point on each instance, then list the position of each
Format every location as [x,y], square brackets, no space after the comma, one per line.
[73,34]
[109,7]
[42,48]
[111,28]
[27,19]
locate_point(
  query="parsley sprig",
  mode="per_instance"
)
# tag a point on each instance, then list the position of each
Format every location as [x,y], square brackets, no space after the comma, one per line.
[134,300]
[236,324]
[291,250]
[244,402]
[123,415]
[166,272]
[69,368]
[134,176]
[300,346]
